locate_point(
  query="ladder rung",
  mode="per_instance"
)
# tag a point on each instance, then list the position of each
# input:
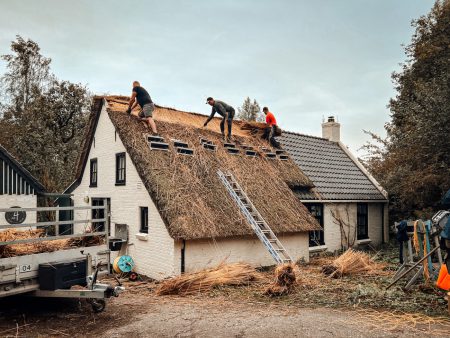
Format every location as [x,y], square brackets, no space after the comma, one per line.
[262,229]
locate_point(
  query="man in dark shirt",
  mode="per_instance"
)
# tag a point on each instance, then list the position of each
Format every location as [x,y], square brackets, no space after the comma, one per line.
[142,97]
[224,110]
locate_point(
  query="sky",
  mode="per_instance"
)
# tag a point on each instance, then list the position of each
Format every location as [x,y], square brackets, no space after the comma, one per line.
[304,59]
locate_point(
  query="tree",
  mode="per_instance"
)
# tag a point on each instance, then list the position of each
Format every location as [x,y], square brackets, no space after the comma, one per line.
[27,74]
[250,111]
[413,162]
[44,118]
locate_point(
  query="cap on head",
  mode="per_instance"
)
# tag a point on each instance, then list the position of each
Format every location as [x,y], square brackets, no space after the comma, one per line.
[209,99]
[136,83]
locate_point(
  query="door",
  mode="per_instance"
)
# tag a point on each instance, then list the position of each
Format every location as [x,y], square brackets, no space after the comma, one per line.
[100,214]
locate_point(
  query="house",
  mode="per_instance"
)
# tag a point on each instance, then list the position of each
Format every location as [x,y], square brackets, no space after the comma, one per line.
[350,205]
[18,189]
[179,216]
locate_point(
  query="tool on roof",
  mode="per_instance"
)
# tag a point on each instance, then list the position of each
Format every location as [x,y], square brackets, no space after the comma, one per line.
[256,221]
[157,143]
[232,151]
[207,144]
[229,145]
[251,153]
[182,148]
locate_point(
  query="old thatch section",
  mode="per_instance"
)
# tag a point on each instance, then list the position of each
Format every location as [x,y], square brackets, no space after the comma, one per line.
[191,199]
[42,246]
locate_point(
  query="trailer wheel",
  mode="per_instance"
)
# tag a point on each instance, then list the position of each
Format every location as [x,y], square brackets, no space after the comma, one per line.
[98,305]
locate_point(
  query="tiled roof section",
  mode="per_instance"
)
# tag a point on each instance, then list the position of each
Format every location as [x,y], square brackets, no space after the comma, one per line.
[333,172]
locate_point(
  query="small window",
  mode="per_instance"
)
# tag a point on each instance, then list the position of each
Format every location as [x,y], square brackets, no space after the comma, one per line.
[120,169]
[362,219]
[316,237]
[94,173]
[144,220]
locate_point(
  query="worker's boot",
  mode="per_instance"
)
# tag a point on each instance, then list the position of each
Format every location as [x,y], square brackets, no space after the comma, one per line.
[224,138]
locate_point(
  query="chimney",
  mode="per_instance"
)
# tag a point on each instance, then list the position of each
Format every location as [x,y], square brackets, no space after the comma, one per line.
[331,129]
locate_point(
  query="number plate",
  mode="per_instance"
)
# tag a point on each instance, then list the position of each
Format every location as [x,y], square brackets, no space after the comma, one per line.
[24,268]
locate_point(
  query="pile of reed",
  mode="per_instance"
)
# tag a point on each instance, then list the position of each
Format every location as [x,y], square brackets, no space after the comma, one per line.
[285,280]
[237,274]
[22,249]
[352,262]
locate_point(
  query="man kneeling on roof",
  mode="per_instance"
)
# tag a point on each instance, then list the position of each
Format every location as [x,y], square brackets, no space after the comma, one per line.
[140,96]
[224,110]
[271,129]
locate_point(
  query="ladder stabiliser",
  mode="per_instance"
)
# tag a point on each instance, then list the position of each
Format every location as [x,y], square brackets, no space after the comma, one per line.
[257,222]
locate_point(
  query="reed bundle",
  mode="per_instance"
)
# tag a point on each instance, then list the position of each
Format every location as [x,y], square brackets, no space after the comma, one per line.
[352,262]
[223,275]
[285,280]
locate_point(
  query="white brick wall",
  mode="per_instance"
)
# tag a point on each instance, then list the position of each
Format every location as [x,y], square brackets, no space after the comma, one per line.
[154,257]
[208,252]
[332,232]
[23,201]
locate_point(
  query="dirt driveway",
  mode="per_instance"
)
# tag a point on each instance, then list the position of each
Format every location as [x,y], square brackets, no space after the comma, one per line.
[215,318]
[150,316]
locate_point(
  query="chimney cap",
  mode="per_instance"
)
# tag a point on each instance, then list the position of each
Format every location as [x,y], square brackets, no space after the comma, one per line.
[331,118]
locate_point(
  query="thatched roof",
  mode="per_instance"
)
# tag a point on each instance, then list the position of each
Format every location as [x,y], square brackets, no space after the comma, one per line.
[186,189]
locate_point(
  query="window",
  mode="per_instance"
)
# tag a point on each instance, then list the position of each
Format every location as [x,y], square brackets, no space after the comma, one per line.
[362,221]
[144,220]
[120,169]
[316,237]
[94,173]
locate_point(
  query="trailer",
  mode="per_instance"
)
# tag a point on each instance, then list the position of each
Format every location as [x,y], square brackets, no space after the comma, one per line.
[53,274]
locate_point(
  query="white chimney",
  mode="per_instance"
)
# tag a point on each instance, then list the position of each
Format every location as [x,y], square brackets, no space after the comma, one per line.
[331,129]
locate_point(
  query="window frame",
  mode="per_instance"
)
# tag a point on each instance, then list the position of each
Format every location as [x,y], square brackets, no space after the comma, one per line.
[320,220]
[118,168]
[91,173]
[362,221]
[143,228]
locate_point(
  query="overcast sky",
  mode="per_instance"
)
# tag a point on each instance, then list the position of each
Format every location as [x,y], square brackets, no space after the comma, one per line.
[303,59]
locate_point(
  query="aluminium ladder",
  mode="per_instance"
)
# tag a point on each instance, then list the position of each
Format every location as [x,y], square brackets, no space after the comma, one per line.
[257,222]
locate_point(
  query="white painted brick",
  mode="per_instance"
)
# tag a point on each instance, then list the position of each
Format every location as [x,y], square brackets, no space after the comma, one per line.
[208,252]
[154,257]
[332,230]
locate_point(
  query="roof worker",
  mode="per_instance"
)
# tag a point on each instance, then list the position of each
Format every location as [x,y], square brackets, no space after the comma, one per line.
[271,129]
[224,110]
[140,96]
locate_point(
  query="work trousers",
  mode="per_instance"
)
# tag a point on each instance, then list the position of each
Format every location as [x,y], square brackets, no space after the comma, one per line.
[269,134]
[229,118]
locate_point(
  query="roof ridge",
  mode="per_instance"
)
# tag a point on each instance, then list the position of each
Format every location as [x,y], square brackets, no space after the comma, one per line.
[306,135]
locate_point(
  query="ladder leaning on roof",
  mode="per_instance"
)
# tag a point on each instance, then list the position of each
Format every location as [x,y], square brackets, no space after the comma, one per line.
[257,222]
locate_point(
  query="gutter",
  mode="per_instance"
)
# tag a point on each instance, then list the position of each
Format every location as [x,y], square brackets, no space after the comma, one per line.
[344,201]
